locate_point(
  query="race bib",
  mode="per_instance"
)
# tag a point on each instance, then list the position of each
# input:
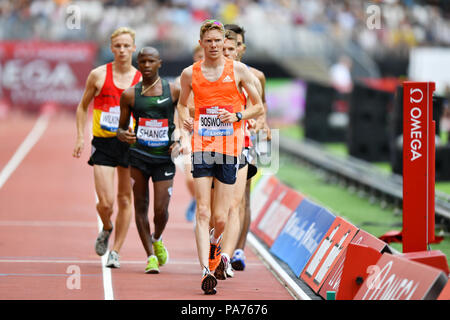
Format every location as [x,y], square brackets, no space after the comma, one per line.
[210,124]
[153,132]
[109,120]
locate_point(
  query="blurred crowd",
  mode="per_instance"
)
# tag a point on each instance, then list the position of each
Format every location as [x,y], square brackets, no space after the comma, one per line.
[174,24]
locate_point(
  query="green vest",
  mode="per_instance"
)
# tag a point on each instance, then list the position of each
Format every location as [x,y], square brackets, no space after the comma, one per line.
[154,124]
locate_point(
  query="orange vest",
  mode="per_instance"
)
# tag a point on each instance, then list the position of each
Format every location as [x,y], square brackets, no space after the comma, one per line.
[210,134]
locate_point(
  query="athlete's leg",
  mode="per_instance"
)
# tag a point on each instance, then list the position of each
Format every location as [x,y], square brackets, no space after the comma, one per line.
[141,204]
[202,188]
[190,211]
[221,206]
[162,191]
[233,227]
[104,188]
[245,217]
[188,177]
[124,204]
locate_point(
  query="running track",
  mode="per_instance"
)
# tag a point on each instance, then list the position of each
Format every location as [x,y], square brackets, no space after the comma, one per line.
[48,225]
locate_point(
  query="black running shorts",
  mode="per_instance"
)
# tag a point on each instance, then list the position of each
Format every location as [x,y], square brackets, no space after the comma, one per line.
[157,171]
[109,152]
[210,164]
[243,161]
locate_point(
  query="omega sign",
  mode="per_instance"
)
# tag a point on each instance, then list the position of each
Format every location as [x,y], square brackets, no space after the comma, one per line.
[32,73]
[418,165]
[416,97]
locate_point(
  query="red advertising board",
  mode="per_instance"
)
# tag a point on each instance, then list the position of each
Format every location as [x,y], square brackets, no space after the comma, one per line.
[328,253]
[270,222]
[396,278]
[34,72]
[261,194]
[333,281]
[418,164]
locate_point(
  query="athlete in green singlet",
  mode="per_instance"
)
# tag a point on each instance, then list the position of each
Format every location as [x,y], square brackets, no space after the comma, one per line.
[152,103]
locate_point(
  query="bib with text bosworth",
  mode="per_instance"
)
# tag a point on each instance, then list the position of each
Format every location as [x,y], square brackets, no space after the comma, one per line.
[210,124]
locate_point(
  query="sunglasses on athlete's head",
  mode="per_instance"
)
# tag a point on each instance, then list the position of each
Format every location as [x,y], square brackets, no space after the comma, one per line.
[216,22]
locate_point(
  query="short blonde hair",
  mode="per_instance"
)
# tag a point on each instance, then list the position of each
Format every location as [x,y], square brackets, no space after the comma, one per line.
[209,25]
[123,30]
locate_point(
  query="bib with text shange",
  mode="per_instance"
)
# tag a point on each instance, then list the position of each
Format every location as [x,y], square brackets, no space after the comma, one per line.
[109,119]
[210,124]
[153,132]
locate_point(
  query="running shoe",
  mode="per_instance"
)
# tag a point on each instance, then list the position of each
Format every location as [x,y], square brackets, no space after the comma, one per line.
[101,244]
[113,260]
[190,212]
[161,252]
[209,282]
[152,265]
[238,260]
[220,272]
[229,271]
[214,253]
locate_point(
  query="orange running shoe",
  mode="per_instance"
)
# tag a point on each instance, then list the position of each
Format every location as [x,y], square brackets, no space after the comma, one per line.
[214,254]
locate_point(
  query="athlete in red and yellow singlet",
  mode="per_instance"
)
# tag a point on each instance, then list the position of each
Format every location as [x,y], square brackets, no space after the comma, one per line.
[109,156]
[105,117]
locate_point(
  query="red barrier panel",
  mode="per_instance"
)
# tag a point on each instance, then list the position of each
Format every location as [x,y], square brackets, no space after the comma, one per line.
[335,282]
[418,205]
[359,259]
[327,253]
[396,278]
[434,258]
[35,72]
[271,221]
[445,293]
[261,194]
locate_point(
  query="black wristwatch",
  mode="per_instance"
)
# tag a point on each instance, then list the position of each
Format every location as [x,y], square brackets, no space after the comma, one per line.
[238,116]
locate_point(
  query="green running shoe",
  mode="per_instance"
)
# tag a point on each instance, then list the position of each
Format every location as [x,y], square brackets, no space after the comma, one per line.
[161,252]
[152,265]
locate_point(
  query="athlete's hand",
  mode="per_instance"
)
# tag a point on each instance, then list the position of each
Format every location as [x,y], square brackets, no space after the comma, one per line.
[251,123]
[185,147]
[188,124]
[262,126]
[268,132]
[175,149]
[127,136]
[79,145]
[227,117]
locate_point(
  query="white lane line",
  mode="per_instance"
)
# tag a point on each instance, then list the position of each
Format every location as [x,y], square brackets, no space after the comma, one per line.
[77,261]
[276,268]
[31,139]
[107,278]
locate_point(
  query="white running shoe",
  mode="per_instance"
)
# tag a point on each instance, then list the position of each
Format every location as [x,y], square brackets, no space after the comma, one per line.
[113,260]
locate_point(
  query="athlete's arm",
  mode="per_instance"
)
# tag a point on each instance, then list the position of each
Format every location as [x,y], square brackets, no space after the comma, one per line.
[182,107]
[175,91]
[124,133]
[82,111]
[246,81]
[262,120]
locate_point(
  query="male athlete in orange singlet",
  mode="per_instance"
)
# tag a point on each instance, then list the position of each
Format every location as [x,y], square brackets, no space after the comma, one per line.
[217,83]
